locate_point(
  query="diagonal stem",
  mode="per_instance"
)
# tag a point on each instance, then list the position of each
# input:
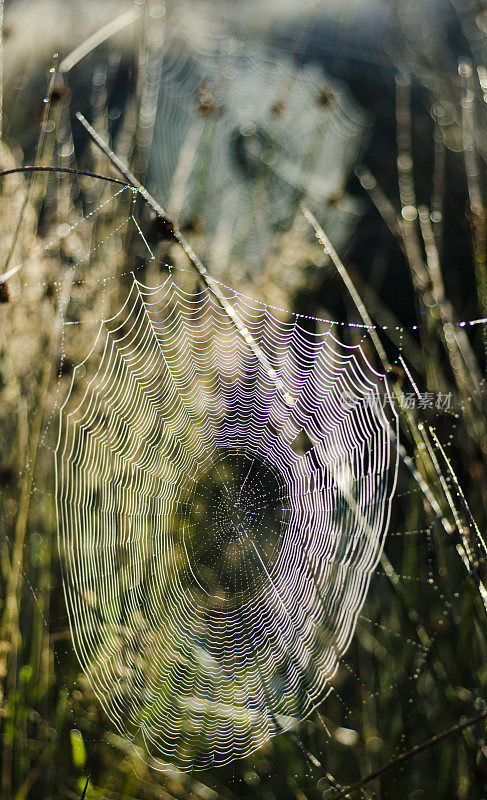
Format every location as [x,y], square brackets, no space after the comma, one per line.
[195,261]
[419,748]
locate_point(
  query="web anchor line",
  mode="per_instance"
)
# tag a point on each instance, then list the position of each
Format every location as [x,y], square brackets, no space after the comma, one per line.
[195,261]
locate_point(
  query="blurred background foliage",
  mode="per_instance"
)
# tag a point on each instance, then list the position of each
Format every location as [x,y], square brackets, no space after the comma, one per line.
[233,113]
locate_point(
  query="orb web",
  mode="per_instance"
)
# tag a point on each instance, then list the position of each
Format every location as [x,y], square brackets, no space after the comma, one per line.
[245,133]
[218,538]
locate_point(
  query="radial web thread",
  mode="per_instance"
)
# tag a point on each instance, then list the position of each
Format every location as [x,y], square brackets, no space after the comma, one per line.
[217,540]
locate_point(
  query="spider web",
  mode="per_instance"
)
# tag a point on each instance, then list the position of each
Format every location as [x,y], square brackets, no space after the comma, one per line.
[365,700]
[217,539]
[245,132]
[406,655]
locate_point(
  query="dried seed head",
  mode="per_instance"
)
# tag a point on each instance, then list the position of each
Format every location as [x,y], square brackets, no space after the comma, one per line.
[326,95]
[4,293]
[162,229]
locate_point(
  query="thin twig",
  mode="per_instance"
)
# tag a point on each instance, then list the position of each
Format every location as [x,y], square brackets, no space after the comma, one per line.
[405,180]
[419,748]
[150,72]
[69,170]
[85,789]
[455,340]
[30,187]
[5,276]
[10,611]
[462,544]
[46,753]
[194,260]
[460,492]
[466,369]
[360,306]
[472,171]
[314,761]
[97,38]
[438,188]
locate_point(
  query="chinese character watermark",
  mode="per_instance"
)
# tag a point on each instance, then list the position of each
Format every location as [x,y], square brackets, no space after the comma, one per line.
[441,401]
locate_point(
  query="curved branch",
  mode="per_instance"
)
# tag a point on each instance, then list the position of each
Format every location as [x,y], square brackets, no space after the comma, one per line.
[69,170]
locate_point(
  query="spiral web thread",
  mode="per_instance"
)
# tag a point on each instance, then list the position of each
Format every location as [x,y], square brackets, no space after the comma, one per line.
[217,541]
